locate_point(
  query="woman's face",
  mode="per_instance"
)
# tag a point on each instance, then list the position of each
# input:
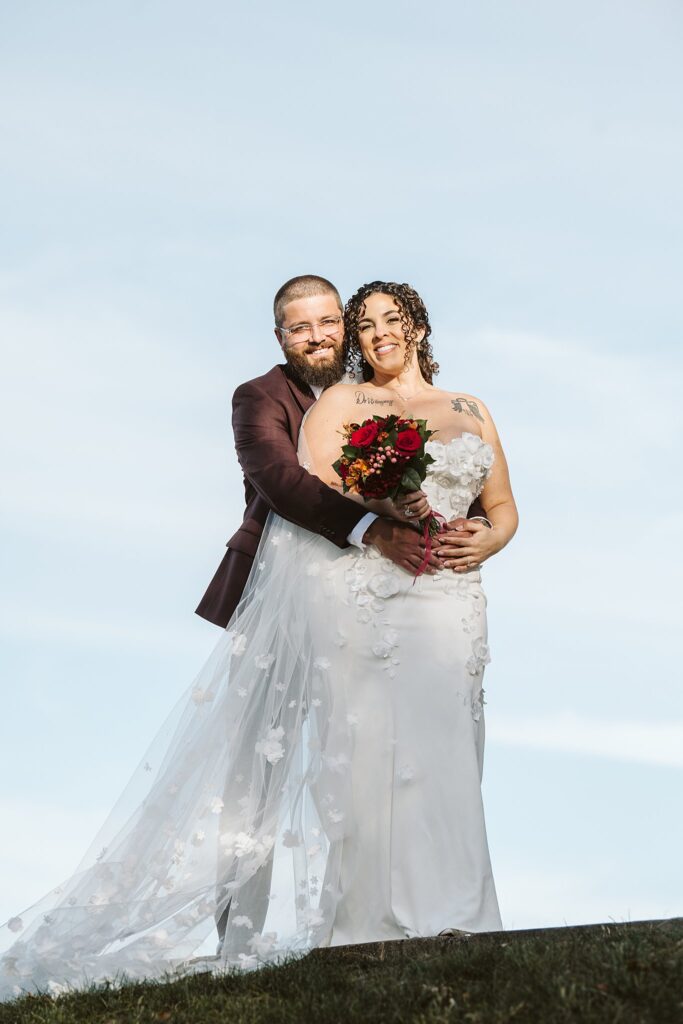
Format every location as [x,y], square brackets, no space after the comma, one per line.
[381,335]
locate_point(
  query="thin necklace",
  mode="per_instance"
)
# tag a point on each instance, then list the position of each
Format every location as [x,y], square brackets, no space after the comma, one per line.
[409,398]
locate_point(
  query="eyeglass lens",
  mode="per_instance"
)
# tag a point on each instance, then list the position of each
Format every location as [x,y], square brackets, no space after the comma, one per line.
[304,332]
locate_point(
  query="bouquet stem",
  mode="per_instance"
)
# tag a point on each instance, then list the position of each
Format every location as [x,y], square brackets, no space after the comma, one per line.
[432,525]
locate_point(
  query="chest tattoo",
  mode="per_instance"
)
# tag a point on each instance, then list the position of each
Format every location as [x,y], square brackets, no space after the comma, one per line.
[363,399]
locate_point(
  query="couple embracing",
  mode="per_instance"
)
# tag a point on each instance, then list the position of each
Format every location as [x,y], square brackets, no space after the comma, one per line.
[320,781]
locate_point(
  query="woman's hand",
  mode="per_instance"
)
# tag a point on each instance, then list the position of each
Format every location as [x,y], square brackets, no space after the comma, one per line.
[465,543]
[412,505]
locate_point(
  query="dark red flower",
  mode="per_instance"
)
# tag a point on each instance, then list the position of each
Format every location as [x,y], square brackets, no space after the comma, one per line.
[375,487]
[380,485]
[365,435]
[408,440]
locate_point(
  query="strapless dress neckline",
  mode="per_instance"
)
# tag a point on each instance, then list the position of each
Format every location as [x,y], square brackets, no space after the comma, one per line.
[465,437]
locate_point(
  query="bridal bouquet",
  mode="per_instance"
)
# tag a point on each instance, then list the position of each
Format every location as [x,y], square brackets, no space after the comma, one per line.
[385,456]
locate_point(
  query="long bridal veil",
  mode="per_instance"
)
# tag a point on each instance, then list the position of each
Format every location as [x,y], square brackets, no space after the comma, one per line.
[233,822]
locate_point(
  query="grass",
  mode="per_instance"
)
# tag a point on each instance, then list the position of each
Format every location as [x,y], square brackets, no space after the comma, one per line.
[617,973]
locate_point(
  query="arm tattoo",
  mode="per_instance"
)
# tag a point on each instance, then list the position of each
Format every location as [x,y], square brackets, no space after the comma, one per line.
[472,407]
[363,399]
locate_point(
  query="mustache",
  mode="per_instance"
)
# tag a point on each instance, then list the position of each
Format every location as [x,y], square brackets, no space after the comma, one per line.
[323,374]
[323,344]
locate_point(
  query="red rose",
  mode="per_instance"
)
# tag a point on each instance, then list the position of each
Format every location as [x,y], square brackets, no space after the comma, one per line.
[365,435]
[408,440]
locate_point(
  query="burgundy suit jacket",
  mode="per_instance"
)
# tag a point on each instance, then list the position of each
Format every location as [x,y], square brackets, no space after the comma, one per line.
[266,417]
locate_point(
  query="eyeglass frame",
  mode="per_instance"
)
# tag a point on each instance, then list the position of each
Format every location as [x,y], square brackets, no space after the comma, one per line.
[289,330]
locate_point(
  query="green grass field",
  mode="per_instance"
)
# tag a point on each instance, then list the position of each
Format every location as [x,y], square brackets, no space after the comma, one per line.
[618,973]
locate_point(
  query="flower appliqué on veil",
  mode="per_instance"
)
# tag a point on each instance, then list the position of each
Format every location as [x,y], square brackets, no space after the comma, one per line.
[270,746]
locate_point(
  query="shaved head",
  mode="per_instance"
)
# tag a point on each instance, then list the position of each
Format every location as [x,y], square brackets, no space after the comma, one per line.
[302,288]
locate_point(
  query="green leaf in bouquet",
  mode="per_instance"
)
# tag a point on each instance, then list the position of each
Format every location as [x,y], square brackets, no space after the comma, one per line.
[434,526]
[349,451]
[417,465]
[411,480]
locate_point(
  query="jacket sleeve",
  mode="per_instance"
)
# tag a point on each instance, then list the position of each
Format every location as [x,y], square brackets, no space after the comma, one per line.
[269,461]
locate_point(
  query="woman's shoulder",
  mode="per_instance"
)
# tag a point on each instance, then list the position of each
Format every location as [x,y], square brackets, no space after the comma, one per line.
[336,402]
[451,394]
[342,389]
[461,401]
[338,395]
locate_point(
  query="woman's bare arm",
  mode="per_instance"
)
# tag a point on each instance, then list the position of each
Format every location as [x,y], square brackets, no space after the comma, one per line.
[324,429]
[474,542]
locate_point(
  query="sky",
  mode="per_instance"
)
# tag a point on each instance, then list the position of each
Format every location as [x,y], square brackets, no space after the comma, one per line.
[165,167]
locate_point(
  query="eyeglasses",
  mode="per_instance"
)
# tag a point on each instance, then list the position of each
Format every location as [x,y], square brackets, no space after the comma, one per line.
[301,334]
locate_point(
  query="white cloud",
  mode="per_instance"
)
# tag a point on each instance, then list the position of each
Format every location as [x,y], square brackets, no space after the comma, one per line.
[592,437]
[654,743]
[89,630]
[541,896]
[563,386]
[109,428]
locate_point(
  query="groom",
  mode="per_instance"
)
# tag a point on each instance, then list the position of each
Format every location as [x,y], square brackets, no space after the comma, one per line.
[266,417]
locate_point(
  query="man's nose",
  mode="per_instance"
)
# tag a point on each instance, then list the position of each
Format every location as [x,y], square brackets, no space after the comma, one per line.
[317,334]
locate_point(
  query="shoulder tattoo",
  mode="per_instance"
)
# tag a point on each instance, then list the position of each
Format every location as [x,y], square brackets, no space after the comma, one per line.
[472,407]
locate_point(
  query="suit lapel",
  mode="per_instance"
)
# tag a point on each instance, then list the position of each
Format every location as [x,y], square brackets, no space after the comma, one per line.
[301,392]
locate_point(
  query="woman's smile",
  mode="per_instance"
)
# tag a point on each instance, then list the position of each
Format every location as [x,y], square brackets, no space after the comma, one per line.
[386,346]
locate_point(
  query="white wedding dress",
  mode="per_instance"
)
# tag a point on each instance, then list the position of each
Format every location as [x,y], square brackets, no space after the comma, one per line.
[319,783]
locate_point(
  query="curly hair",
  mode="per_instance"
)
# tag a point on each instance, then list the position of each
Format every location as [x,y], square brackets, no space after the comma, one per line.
[413,315]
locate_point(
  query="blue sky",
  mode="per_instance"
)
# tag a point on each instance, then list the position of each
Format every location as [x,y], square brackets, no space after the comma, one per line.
[165,166]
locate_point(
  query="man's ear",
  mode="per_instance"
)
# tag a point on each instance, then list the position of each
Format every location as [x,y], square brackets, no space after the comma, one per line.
[276,332]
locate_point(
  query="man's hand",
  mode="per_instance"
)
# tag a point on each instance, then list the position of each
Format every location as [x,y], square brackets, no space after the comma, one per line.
[466,543]
[402,544]
[413,505]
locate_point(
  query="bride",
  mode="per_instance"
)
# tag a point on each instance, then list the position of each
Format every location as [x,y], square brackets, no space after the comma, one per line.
[320,781]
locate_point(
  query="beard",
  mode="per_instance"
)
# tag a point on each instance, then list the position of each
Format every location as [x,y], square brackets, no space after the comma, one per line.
[320,375]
